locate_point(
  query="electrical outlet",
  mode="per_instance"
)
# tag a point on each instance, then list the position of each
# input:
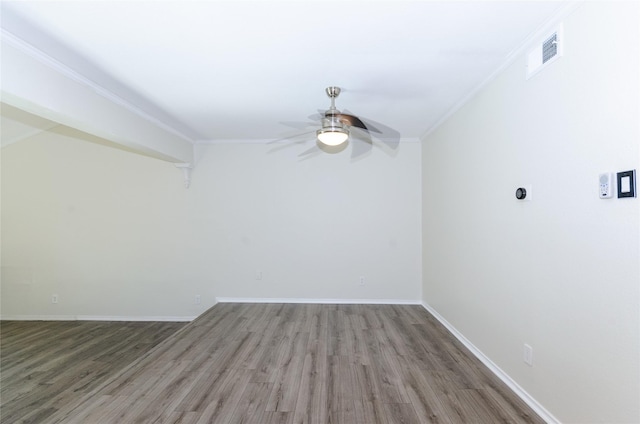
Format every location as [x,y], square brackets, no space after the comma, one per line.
[258,275]
[197,300]
[362,280]
[528,355]
[54,298]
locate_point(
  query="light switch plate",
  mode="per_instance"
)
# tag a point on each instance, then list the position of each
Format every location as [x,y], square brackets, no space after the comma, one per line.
[627,184]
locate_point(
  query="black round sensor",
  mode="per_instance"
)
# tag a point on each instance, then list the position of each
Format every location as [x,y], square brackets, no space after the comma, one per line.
[521,193]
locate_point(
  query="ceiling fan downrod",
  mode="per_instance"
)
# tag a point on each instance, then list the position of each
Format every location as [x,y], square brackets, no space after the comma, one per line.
[333,132]
[333,92]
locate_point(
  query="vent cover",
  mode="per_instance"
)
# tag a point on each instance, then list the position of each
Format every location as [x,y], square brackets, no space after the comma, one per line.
[545,52]
[550,48]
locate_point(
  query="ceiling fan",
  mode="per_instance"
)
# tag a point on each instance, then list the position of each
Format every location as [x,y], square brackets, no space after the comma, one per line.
[338,128]
[335,124]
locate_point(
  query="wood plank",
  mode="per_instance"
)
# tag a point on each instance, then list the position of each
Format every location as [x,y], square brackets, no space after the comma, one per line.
[401,413]
[285,390]
[47,365]
[220,407]
[253,403]
[424,398]
[260,364]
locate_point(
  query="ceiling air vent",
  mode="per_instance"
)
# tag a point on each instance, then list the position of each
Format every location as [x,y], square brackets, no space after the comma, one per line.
[545,52]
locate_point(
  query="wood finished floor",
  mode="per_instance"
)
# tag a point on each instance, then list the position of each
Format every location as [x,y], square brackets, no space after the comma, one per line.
[273,363]
[45,364]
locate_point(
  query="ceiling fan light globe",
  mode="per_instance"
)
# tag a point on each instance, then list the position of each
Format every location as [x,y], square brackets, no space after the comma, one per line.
[332,137]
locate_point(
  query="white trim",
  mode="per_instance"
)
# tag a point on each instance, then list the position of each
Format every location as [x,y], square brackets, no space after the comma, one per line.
[136,318]
[95,318]
[511,58]
[506,379]
[204,142]
[503,376]
[38,318]
[186,172]
[83,108]
[320,301]
[42,57]
[281,141]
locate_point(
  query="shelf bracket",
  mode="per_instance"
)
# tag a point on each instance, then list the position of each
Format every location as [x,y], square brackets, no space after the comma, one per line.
[186,172]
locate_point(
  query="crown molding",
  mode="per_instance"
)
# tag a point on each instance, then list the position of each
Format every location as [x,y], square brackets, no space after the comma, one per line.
[276,142]
[515,54]
[62,69]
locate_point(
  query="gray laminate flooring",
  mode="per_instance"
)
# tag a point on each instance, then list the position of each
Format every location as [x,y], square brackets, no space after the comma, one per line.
[269,363]
[46,364]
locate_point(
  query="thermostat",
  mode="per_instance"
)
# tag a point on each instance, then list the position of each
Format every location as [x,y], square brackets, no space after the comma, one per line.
[606,185]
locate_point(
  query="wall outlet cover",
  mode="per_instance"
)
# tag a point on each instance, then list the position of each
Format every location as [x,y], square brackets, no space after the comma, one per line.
[528,355]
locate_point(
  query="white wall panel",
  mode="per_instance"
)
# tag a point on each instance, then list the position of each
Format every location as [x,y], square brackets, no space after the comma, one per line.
[116,234]
[560,272]
[312,227]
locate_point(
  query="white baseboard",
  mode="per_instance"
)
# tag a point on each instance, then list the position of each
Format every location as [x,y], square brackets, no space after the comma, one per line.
[38,318]
[94,318]
[150,318]
[519,391]
[320,301]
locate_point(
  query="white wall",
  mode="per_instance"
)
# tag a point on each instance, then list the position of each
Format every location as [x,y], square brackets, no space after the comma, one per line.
[115,234]
[312,227]
[560,272]
[103,229]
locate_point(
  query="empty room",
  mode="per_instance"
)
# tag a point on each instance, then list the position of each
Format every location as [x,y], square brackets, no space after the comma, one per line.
[320,212]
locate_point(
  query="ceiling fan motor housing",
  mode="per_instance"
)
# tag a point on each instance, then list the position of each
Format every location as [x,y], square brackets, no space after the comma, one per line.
[332,120]
[333,131]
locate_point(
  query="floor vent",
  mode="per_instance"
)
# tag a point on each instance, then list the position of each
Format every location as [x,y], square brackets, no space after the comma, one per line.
[545,52]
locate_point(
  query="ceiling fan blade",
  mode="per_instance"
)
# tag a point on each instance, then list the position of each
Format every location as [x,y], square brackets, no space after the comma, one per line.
[291,138]
[362,131]
[352,121]
[299,124]
[310,152]
[361,144]
[387,135]
[366,122]
[283,146]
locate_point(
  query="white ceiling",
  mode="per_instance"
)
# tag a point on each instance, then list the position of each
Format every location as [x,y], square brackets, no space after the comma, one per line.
[218,70]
